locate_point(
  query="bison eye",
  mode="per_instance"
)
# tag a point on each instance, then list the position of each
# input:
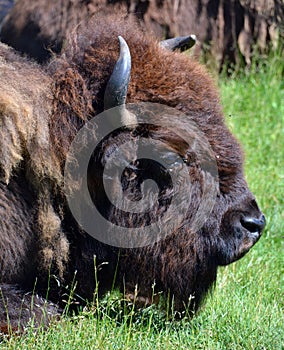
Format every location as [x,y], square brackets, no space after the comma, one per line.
[172,161]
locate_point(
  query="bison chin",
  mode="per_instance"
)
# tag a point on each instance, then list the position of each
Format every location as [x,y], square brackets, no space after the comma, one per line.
[240,230]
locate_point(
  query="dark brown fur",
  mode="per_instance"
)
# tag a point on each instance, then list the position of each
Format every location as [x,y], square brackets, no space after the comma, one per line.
[62,97]
[39,28]
[21,306]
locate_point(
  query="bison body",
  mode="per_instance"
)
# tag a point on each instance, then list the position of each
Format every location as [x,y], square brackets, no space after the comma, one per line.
[42,110]
[40,28]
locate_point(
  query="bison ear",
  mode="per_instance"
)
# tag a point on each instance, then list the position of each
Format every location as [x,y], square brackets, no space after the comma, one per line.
[182,43]
[116,89]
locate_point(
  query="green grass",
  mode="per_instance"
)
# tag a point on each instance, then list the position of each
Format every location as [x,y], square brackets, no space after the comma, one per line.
[246,309]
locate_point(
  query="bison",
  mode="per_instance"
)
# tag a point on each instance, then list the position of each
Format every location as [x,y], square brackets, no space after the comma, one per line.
[43,248]
[39,28]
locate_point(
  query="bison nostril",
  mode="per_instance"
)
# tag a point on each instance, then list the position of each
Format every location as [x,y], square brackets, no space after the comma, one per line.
[253,224]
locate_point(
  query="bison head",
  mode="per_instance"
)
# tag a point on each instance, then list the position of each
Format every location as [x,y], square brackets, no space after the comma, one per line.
[184,262]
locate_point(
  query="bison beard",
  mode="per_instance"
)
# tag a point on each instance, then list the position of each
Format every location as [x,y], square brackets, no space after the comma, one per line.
[42,109]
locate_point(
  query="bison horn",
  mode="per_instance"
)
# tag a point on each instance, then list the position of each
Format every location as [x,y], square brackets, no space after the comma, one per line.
[116,89]
[181,42]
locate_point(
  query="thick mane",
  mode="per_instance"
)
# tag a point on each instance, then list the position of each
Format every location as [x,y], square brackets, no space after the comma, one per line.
[25,109]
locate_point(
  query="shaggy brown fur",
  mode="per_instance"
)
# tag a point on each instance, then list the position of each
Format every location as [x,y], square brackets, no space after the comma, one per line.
[25,105]
[41,111]
[39,28]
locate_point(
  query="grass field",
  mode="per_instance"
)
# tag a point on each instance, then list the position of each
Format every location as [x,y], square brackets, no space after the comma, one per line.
[246,309]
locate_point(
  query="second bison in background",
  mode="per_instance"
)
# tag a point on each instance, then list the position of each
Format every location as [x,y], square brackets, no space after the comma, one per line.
[43,108]
[226,30]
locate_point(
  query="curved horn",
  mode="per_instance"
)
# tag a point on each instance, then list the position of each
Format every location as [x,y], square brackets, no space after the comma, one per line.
[116,89]
[181,42]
